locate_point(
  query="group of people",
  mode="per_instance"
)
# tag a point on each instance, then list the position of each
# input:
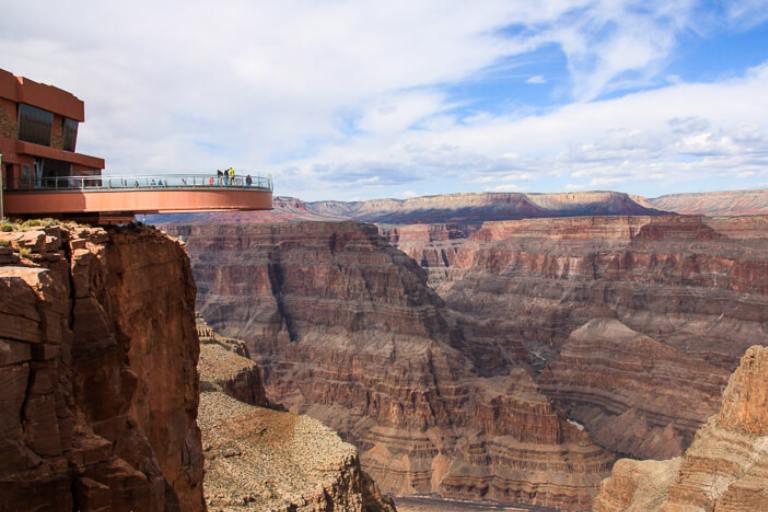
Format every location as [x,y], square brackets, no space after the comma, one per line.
[227,177]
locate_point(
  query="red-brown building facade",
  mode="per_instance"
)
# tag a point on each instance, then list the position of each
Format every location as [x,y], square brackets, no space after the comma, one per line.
[38,133]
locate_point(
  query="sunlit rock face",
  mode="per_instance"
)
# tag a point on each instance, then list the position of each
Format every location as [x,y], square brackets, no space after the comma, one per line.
[732,203]
[508,360]
[345,329]
[634,322]
[726,466]
[97,359]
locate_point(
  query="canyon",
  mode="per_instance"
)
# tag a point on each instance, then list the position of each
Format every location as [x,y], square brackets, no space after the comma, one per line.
[510,361]
[102,407]
[346,330]
[514,361]
[627,318]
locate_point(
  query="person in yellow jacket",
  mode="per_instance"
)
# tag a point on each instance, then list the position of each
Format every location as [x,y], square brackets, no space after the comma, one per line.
[231,174]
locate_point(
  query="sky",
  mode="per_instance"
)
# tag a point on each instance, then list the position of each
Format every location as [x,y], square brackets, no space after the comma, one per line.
[363,99]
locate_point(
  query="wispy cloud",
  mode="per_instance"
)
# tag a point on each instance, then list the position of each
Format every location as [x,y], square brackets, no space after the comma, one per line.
[536,79]
[676,134]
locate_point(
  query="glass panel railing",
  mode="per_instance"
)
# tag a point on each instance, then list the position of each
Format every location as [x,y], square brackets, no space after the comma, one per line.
[154,181]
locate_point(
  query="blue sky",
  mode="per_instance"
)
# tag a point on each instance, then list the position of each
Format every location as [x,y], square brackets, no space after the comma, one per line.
[358,100]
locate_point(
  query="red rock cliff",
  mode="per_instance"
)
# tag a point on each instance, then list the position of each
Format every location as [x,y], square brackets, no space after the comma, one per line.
[98,354]
[346,330]
[635,321]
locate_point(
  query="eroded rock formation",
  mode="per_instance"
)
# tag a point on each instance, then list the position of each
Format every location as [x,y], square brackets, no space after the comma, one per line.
[262,459]
[635,322]
[97,363]
[726,467]
[541,349]
[345,330]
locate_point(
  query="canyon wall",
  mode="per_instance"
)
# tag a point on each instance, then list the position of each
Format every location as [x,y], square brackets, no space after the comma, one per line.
[726,467]
[345,329]
[634,323]
[97,360]
[509,360]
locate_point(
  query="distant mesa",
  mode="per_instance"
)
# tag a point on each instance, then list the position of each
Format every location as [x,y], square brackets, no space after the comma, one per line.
[731,203]
[473,208]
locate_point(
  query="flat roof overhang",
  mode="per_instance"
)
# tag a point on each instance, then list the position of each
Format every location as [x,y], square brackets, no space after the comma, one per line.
[23,90]
[9,146]
[84,201]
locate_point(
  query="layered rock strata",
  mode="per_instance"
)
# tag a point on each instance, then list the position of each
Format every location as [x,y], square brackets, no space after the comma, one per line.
[633,393]
[726,467]
[262,459]
[736,202]
[617,309]
[345,330]
[97,362]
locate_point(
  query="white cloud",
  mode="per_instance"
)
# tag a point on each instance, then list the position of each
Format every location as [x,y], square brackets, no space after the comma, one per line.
[332,94]
[680,133]
[536,79]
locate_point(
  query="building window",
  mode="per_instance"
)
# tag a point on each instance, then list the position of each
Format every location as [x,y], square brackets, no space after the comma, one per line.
[35,125]
[69,131]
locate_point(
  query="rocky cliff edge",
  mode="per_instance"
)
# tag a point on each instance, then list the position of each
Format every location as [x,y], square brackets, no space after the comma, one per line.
[98,387]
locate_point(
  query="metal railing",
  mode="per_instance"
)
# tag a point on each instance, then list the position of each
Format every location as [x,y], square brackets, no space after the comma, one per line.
[143,182]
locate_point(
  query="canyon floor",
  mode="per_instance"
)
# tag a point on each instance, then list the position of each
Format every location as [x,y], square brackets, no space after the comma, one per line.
[417,504]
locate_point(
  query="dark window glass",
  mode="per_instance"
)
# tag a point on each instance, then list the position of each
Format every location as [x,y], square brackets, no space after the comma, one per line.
[35,125]
[69,130]
[53,169]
